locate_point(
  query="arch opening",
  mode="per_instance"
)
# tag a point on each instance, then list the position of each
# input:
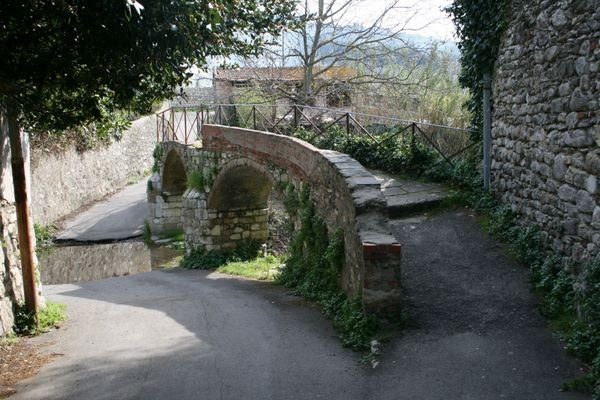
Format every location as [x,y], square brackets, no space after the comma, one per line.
[174,177]
[241,187]
[240,207]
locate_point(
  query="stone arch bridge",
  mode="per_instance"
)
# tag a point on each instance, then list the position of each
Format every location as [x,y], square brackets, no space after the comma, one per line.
[234,171]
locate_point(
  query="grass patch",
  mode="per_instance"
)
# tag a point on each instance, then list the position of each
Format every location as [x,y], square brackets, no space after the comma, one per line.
[264,268]
[48,317]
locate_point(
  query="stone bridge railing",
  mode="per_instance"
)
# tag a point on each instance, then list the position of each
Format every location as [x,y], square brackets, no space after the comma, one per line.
[238,168]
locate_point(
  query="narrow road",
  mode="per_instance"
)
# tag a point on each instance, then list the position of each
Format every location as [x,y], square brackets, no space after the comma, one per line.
[119,217]
[473,333]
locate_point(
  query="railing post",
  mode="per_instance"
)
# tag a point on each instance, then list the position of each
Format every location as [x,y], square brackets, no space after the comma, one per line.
[296,122]
[220,115]
[172,124]
[413,142]
[254,116]
[185,131]
[348,124]
[157,117]
[198,124]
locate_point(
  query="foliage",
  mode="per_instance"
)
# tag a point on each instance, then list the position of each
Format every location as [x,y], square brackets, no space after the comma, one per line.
[48,317]
[396,152]
[147,233]
[197,181]
[479,26]
[201,258]
[157,154]
[44,236]
[430,91]
[313,268]
[261,268]
[67,63]
[85,137]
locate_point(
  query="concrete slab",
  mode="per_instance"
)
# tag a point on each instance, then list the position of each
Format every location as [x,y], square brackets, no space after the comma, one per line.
[406,196]
[120,217]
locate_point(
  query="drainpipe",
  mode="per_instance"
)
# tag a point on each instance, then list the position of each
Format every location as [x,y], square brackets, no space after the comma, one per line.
[487,129]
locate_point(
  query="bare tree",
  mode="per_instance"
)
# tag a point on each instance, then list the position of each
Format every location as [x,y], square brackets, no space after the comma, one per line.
[342,44]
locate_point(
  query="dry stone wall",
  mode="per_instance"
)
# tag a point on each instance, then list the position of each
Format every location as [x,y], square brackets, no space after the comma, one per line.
[546,121]
[11,279]
[62,183]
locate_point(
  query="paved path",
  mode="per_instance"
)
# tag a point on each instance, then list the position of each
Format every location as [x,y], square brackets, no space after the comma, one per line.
[473,333]
[119,217]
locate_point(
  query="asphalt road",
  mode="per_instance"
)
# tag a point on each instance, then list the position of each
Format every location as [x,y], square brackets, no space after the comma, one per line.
[473,333]
[119,217]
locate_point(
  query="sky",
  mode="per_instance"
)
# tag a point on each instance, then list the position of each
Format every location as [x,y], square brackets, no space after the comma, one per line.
[421,17]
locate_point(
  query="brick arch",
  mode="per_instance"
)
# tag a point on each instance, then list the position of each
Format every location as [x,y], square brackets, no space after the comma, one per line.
[174,177]
[241,184]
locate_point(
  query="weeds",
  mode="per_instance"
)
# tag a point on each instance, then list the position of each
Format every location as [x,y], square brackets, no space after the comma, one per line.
[147,233]
[48,317]
[313,269]
[44,236]
[261,268]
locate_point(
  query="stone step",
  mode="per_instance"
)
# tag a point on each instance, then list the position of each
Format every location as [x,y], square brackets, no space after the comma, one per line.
[406,197]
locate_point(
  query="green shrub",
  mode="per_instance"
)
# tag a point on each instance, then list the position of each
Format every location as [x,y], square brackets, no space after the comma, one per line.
[392,152]
[313,268]
[196,181]
[48,317]
[44,236]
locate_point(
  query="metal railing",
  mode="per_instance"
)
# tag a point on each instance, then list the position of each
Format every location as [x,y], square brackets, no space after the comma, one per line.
[184,124]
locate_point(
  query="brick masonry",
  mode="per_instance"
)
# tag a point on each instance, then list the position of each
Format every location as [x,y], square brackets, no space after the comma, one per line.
[242,166]
[546,121]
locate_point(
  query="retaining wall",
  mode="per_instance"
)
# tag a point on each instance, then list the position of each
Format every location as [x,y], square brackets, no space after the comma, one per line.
[62,183]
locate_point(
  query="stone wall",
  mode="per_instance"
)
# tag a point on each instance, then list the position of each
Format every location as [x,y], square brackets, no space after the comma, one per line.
[194,96]
[73,264]
[62,183]
[346,196]
[546,121]
[11,279]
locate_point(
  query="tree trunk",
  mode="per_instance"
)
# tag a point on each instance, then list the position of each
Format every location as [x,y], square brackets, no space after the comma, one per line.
[24,224]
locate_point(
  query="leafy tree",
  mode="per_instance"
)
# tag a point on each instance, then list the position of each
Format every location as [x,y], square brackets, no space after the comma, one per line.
[65,61]
[479,26]
[68,62]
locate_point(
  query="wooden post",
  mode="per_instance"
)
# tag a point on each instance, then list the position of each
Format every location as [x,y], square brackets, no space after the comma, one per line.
[24,224]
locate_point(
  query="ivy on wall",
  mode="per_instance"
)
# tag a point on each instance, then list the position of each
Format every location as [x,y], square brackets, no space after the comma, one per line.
[479,27]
